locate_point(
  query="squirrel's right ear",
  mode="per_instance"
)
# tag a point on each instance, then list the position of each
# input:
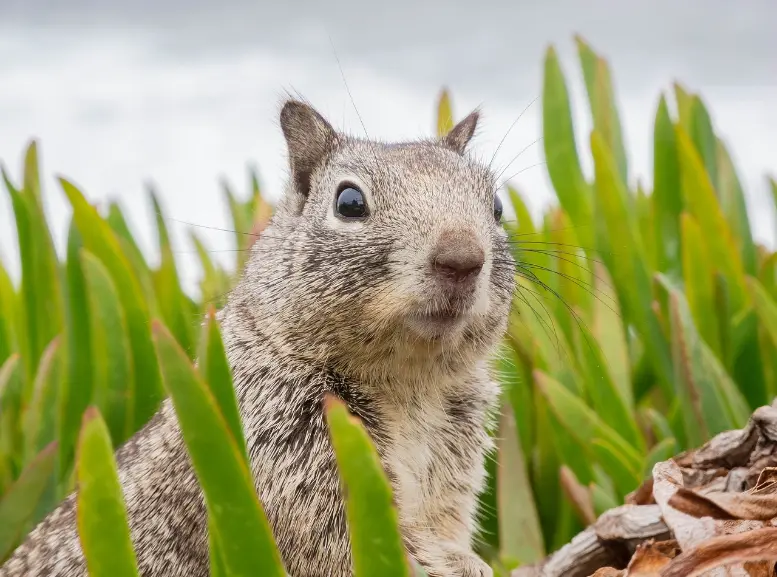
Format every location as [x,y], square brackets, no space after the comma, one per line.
[310,139]
[459,136]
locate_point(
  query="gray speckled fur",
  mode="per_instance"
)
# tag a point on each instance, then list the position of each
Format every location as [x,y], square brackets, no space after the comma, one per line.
[325,305]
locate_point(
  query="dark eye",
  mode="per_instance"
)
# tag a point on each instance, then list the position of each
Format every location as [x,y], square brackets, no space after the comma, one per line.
[350,202]
[497,208]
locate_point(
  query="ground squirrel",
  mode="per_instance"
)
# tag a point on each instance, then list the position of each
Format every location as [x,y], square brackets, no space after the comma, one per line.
[384,277]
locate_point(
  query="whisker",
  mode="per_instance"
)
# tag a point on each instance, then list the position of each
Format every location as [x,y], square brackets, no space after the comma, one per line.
[510,129]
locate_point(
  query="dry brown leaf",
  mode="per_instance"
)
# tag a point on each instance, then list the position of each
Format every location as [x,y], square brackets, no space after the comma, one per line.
[579,496]
[754,546]
[650,558]
[608,572]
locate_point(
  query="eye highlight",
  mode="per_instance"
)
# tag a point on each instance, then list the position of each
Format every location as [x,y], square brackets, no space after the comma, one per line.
[497,208]
[350,202]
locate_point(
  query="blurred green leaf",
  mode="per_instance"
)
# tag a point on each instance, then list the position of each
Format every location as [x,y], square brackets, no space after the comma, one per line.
[582,422]
[170,296]
[100,241]
[19,502]
[667,195]
[601,96]
[624,476]
[245,540]
[444,114]
[110,353]
[7,308]
[711,402]
[661,451]
[376,542]
[520,535]
[215,369]
[699,287]
[732,201]
[563,163]
[629,270]
[103,528]
[41,415]
[703,136]
[608,400]
[701,202]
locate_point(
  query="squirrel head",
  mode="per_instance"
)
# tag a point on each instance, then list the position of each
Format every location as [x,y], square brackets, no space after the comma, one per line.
[381,257]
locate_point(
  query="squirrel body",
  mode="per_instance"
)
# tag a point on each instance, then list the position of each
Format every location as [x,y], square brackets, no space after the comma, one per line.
[385,278]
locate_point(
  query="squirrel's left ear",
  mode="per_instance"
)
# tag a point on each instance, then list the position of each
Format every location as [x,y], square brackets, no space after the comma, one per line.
[310,139]
[459,136]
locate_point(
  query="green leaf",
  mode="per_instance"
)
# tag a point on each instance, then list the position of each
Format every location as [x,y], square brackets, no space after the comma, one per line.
[7,307]
[608,401]
[18,504]
[100,241]
[376,542]
[699,287]
[244,536]
[78,385]
[563,163]
[662,451]
[629,270]
[11,440]
[702,203]
[703,136]
[41,416]
[601,96]
[520,535]
[40,284]
[168,288]
[103,527]
[607,328]
[667,194]
[444,114]
[110,352]
[214,368]
[623,474]
[711,402]
[765,307]
[582,422]
[732,201]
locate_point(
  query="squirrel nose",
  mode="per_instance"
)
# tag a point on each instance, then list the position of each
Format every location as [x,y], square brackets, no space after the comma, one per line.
[458,256]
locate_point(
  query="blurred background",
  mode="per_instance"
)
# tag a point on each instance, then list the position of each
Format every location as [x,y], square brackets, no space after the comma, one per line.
[182,93]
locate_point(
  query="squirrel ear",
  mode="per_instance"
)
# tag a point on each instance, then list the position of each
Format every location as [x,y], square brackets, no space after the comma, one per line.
[310,139]
[459,136]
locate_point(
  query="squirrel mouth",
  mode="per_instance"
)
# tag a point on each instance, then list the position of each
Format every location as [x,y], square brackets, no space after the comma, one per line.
[435,322]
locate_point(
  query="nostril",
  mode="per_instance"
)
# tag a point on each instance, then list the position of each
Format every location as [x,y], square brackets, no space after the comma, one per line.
[457,269]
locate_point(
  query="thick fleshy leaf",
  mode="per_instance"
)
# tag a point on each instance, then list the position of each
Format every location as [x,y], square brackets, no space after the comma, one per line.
[245,540]
[582,422]
[214,368]
[40,283]
[376,543]
[601,96]
[629,270]
[20,501]
[100,240]
[77,387]
[563,162]
[170,296]
[103,528]
[41,416]
[520,535]
[667,195]
[607,399]
[765,307]
[112,368]
[699,287]
[703,136]
[444,114]
[710,399]
[702,203]
[732,200]
[11,440]
[624,475]
[7,307]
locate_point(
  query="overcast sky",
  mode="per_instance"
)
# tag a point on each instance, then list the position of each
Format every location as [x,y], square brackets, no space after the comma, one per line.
[183,92]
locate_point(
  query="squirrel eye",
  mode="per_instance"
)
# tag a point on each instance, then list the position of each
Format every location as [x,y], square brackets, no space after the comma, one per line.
[350,202]
[497,208]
